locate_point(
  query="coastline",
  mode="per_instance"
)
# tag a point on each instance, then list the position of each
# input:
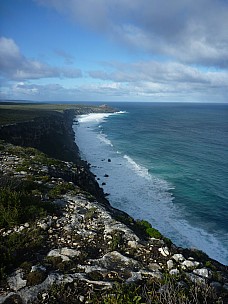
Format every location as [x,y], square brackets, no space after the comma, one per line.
[136,248]
[128,183]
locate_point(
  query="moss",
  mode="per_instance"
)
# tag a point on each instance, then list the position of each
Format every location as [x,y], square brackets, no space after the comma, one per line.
[26,266]
[95,276]
[35,278]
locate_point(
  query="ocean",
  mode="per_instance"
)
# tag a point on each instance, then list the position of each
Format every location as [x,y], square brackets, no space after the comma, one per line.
[166,163]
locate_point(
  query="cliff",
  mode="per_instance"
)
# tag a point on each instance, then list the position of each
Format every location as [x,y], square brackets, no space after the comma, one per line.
[62,242]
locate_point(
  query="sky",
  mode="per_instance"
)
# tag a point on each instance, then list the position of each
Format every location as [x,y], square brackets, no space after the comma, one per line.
[114,50]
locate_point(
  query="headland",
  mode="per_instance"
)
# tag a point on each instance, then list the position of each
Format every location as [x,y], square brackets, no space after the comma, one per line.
[60,239]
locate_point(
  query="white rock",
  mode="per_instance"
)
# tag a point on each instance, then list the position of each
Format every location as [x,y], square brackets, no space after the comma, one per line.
[164,251]
[195,279]
[16,280]
[56,253]
[38,268]
[170,264]
[190,264]
[70,252]
[174,271]
[132,244]
[44,295]
[44,226]
[178,257]
[81,298]
[26,225]
[203,272]
[154,266]
[65,253]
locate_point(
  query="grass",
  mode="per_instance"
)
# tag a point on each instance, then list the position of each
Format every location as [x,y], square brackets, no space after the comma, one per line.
[19,112]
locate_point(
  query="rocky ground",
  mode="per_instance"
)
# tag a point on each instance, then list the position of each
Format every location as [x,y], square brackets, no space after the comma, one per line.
[81,250]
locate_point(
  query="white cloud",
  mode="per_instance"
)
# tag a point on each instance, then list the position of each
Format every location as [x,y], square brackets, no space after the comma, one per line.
[188,31]
[15,66]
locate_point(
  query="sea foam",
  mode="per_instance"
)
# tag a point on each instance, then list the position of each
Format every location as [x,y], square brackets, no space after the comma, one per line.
[136,191]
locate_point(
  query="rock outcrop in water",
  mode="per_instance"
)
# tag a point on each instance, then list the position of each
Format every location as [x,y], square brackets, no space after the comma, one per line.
[81,250]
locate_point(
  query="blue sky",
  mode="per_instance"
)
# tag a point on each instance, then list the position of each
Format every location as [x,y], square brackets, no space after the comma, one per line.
[114,50]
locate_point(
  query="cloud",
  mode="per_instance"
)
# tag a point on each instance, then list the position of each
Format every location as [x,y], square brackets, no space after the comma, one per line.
[188,31]
[15,66]
[160,72]
[68,59]
[171,80]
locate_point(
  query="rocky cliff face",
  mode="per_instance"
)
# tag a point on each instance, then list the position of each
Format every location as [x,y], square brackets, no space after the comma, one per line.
[54,136]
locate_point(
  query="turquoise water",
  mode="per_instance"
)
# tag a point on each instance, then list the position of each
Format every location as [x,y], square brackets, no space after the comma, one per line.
[169,165]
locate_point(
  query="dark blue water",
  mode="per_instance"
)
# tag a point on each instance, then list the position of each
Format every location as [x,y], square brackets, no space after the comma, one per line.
[169,165]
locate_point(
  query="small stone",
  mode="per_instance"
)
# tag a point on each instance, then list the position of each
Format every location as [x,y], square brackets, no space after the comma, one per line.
[81,298]
[164,251]
[178,257]
[170,264]
[174,271]
[39,268]
[132,244]
[154,267]
[44,295]
[44,226]
[26,225]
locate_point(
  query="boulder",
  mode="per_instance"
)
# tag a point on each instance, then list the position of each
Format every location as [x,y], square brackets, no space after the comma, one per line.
[203,272]
[16,281]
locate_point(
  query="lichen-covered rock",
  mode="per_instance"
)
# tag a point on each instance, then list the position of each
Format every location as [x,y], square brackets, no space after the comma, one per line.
[64,253]
[16,280]
[203,272]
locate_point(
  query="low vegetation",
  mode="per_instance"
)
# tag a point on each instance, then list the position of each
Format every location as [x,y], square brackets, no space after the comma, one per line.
[17,248]
[152,292]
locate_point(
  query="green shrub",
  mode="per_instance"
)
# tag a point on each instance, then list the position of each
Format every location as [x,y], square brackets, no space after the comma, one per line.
[17,248]
[21,206]
[60,189]
[146,228]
